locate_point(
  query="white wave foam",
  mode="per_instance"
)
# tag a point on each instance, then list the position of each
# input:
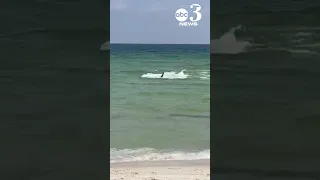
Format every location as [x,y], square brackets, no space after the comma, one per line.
[105,46]
[293,51]
[167,75]
[302,34]
[205,75]
[297,40]
[228,44]
[150,154]
[314,45]
[302,51]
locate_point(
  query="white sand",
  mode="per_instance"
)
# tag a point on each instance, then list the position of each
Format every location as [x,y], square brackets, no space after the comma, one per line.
[161,170]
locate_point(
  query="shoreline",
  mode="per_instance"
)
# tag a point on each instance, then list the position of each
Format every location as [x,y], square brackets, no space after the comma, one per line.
[200,162]
[161,170]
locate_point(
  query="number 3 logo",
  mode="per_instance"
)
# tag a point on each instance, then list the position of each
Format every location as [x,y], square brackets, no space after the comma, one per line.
[198,14]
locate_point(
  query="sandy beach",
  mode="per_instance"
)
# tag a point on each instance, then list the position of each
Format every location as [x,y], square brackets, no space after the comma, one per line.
[161,170]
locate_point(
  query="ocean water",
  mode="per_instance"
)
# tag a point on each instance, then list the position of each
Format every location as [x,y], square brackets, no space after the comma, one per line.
[55,105]
[266,99]
[54,115]
[265,69]
[154,117]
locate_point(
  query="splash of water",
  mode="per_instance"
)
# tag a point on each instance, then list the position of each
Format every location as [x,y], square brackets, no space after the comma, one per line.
[105,46]
[166,75]
[150,154]
[228,44]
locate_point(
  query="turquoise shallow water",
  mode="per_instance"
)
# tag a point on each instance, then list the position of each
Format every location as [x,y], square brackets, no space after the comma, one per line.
[150,113]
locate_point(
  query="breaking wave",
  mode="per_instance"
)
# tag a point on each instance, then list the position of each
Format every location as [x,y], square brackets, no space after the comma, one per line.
[166,75]
[105,46]
[286,41]
[150,154]
[228,44]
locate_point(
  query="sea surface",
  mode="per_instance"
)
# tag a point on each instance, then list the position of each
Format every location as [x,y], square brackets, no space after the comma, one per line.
[55,105]
[265,92]
[54,115]
[154,117]
[265,100]
[265,63]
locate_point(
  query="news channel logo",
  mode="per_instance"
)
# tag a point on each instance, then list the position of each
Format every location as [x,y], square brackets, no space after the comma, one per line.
[191,18]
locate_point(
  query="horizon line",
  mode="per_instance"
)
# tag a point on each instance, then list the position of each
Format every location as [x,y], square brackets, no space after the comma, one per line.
[165,43]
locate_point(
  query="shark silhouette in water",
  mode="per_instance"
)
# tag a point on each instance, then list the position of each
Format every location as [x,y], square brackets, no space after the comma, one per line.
[162,74]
